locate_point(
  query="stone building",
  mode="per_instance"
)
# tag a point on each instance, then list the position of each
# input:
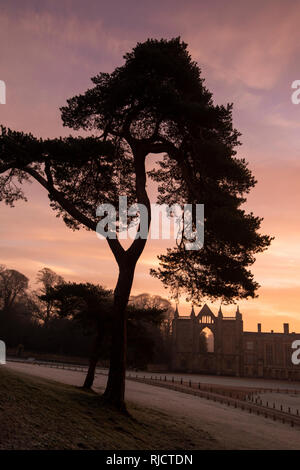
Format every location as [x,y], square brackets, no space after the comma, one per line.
[235,352]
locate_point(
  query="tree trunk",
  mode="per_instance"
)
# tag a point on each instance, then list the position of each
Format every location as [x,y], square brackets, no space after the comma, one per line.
[89,380]
[115,389]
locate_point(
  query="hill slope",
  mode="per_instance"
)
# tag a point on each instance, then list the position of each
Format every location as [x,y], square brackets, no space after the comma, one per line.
[37,413]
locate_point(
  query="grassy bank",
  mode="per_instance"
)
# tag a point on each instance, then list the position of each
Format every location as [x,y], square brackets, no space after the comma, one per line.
[39,414]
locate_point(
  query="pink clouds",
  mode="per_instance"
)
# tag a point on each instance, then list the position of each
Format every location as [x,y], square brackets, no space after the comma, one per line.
[249,55]
[241,43]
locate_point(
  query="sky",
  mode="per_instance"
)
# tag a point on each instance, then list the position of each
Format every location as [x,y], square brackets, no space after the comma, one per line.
[249,55]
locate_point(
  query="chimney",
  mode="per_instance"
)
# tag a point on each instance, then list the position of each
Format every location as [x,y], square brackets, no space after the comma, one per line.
[259,327]
[238,313]
[286,328]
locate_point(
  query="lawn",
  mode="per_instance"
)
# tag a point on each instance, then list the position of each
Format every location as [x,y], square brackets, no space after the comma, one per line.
[36,413]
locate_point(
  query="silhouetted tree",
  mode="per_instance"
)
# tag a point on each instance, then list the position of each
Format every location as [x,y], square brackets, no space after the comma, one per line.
[145,333]
[155,103]
[163,337]
[13,285]
[89,305]
[48,279]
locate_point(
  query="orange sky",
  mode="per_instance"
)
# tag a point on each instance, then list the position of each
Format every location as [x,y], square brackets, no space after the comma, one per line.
[248,53]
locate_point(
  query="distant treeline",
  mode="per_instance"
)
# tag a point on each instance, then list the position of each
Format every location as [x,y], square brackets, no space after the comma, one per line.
[65,318]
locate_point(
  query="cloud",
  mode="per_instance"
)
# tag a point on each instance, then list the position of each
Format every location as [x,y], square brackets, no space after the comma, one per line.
[237,45]
[249,55]
[280,121]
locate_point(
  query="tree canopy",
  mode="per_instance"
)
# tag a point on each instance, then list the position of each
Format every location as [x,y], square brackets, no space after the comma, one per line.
[157,101]
[85,303]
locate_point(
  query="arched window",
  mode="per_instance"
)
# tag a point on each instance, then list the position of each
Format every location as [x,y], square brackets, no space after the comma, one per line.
[206,341]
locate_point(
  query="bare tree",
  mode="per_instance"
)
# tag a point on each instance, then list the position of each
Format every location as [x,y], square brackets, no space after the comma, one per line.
[48,279]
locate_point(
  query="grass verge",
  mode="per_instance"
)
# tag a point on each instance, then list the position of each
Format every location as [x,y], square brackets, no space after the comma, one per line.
[36,413]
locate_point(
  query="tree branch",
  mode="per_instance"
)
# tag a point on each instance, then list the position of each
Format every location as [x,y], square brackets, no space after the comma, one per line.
[114,244]
[136,248]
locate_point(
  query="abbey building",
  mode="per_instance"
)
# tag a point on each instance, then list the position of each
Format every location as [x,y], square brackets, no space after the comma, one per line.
[235,352]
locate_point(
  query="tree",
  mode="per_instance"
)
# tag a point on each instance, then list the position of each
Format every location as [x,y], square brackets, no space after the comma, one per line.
[155,103]
[156,302]
[13,285]
[48,279]
[163,337]
[90,306]
[146,300]
[220,268]
[144,333]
